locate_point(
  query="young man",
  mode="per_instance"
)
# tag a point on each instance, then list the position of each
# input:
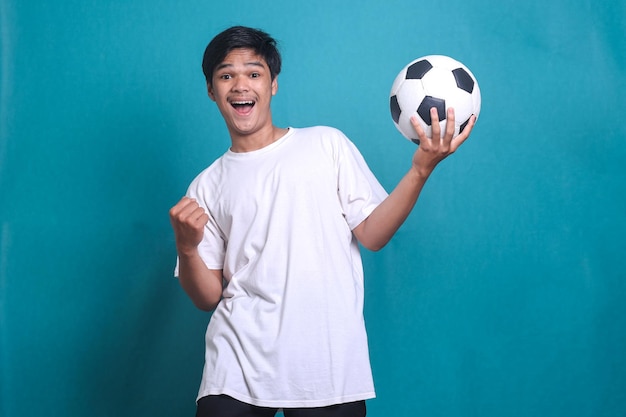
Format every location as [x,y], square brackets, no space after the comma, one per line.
[268,237]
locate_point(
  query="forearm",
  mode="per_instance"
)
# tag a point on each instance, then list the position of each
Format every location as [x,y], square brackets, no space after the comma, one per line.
[380,226]
[202,285]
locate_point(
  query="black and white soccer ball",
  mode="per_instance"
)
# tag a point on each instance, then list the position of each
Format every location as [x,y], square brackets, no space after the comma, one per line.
[433,81]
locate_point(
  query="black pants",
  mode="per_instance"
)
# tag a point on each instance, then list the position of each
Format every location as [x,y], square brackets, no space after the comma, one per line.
[225,406]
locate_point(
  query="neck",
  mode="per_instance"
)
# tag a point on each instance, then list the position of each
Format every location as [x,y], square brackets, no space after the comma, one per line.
[257,140]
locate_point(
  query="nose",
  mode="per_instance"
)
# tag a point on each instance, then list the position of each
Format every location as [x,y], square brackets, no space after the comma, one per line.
[240,84]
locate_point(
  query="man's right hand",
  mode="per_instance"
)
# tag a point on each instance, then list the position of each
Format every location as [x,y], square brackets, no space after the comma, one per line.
[188,220]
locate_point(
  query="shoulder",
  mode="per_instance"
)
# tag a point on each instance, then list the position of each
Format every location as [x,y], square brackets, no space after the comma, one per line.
[207,179]
[324,136]
[319,132]
[329,141]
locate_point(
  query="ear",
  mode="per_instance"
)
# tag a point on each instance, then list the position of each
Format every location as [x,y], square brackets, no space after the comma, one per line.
[209,89]
[275,86]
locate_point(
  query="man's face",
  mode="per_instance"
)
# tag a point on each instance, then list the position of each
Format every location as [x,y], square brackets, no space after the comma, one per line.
[242,88]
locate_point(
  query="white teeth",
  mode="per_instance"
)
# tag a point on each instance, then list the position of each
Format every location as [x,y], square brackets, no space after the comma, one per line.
[243,103]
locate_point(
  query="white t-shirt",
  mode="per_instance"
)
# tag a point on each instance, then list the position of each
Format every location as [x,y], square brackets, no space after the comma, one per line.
[289,331]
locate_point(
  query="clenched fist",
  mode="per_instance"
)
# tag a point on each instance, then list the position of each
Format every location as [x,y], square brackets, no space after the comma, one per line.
[188,220]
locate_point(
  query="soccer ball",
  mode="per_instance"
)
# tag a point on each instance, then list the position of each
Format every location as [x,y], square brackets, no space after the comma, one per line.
[433,81]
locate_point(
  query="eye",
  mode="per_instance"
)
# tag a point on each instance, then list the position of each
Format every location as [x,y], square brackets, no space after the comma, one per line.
[225,77]
[255,75]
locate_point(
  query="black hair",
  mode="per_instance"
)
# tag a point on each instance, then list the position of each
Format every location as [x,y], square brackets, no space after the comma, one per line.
[240,37]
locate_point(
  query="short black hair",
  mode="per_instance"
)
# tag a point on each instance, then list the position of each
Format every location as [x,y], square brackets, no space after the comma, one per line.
[241,37]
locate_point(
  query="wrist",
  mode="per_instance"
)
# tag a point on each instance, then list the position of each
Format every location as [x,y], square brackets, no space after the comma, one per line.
[420,174]
[187,252]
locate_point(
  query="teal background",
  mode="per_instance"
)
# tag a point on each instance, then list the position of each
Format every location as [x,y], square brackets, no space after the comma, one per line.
[504,293]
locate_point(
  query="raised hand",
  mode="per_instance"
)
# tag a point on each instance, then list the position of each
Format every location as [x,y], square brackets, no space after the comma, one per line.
[188,220]
[435,149]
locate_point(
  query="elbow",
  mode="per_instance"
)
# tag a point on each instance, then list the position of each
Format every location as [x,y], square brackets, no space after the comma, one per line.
[374,245]
[204,295]
[205,305]
[204,300]
[375,248]
[371,238]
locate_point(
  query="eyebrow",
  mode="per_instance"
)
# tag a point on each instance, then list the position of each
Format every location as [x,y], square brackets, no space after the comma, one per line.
[247,64]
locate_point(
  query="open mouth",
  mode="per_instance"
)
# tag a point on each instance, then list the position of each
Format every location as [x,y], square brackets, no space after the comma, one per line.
[243,106]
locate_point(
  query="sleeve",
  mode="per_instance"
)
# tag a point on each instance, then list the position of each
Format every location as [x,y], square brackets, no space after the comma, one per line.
[358,189]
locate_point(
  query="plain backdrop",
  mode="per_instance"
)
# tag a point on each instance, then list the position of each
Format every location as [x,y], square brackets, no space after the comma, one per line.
[504,293]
